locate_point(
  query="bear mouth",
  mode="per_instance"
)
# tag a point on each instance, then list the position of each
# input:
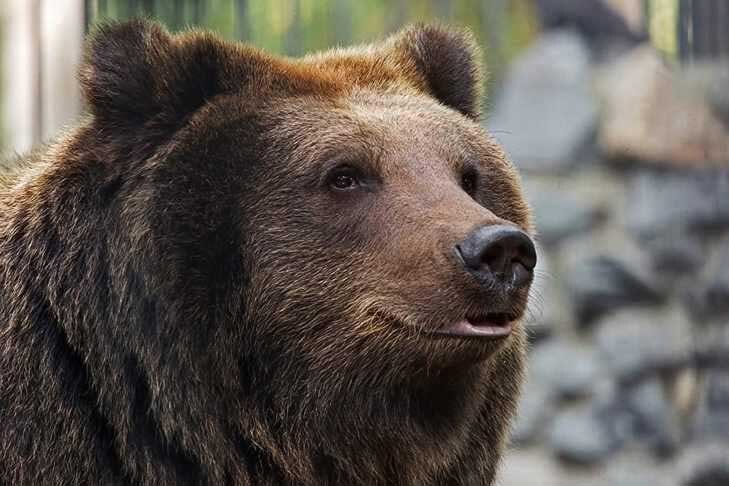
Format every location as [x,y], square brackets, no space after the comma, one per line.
[496,325]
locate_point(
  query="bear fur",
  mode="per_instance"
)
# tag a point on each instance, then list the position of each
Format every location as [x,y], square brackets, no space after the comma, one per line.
[190,293]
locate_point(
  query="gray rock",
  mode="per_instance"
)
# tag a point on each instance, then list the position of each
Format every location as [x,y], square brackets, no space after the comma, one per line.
[635,468]
[546,113]
[610,406]
[655,422]
[637,476]
[579,436]
[559,215]
[717,94]
[603,284]
[536,407]
[677,253]
[710,298]
[712,346]
[705,465]
[712,417]
[569,370]
[635,343]
[663,202]
[534,466]
[653,114]
[717,392]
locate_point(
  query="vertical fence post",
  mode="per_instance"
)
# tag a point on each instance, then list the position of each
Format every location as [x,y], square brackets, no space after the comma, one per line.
[21,106]
[41,51]
[62,28]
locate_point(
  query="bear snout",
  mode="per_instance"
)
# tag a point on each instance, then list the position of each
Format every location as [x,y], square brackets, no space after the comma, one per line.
[498,255]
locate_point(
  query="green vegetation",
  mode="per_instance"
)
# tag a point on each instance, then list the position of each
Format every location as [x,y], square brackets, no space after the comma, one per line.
[663,25]
[294,27]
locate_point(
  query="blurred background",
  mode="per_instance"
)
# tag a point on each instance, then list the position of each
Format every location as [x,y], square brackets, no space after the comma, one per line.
[617,114]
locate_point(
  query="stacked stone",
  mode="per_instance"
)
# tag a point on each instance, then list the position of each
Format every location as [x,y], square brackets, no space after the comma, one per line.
[629,365]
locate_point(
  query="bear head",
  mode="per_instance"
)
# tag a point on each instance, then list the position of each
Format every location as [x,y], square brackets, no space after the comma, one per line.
[311,269]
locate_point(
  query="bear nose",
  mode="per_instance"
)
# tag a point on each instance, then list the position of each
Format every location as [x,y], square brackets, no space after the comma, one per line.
[499,252]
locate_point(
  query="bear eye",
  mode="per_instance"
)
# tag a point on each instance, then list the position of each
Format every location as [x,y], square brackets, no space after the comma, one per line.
[344,179]
[469,181]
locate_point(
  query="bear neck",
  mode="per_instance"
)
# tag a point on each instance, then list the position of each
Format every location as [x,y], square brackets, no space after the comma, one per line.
[413,430]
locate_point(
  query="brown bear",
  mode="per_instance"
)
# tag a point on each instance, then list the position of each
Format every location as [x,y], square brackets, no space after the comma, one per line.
[241,269]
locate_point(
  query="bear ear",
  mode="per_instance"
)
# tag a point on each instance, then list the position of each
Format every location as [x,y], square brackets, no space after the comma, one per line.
[448,61]
[136,71]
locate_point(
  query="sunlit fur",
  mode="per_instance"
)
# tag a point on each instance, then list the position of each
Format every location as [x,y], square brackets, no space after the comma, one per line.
[183,302]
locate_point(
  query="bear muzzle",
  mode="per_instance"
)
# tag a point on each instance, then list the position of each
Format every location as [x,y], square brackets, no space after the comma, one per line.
[501,260]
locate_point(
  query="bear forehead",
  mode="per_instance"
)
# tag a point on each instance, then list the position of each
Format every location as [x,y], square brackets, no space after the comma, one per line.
[374,123]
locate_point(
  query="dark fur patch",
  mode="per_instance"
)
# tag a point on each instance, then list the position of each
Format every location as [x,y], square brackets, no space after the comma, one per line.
[448,61]
[135,72]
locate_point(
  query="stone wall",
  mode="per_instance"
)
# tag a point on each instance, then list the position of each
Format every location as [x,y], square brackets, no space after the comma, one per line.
[629,365]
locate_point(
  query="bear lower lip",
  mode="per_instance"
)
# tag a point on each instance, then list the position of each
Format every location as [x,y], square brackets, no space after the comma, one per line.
[494,326]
